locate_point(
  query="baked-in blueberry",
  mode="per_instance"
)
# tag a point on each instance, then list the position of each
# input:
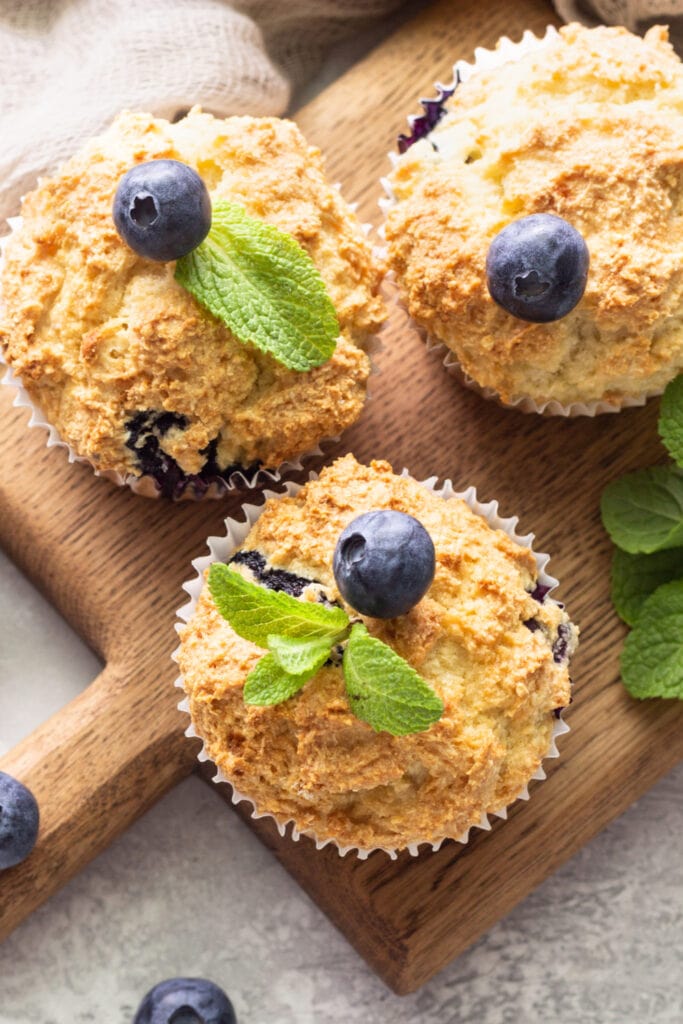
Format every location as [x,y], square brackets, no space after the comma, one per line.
[19,820]
[254,561]
[561,645]
[540,592]
[144,432]
[185,1001]
[273,579]
[145,428]
[536,267]
[384,563]
[278,579]
[162,209]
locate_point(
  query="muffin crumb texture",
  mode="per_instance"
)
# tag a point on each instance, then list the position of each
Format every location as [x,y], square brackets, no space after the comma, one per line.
[589,127]
[496,655]
[134,373]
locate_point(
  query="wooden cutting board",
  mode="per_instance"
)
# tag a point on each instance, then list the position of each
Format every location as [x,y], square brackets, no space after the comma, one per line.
[113,564]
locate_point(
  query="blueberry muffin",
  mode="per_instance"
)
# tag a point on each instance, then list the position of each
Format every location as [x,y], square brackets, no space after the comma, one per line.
[137,376]
[429,592]
[582,131]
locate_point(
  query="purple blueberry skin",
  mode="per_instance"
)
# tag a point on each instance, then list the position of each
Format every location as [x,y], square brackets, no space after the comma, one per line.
[162,210]
[536,268]
[185,1001]
[19,821]
[383,563]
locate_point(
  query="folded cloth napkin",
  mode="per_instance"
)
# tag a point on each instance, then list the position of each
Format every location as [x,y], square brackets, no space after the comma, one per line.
[68,66]
[636,15]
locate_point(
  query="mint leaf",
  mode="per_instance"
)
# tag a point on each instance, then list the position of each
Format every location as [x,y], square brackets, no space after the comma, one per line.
[256,613]
[643,511]
[297,656]
[263,286]
[652,659]
[384,690]
[671,419]
[268,683]
[635,577]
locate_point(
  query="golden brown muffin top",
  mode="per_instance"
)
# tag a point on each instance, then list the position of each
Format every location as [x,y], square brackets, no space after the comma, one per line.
[100,335]
[478,638]
[588,126]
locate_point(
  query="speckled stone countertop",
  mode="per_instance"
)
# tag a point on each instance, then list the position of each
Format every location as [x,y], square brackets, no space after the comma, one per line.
[190,890]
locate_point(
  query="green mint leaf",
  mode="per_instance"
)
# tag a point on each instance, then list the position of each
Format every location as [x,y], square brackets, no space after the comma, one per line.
[297,656]
[256,613]
[263,286]
[268,683]
[635,577]
[384,690]
[643,511]
[652,658]
[671,419]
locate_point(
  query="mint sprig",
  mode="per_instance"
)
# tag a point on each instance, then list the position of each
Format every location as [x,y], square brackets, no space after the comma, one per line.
[383,689]
[643,514]
[300,656]
[635,577]
[643,511]
[670,423]
[263,286]
[652,659]
[257,613]
[268,683]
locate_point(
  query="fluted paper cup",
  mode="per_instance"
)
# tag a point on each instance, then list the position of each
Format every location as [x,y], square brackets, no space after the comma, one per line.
[421,125]
[221,549]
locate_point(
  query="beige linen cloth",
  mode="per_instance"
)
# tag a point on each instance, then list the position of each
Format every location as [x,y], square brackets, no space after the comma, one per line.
[636,15]
[67,67]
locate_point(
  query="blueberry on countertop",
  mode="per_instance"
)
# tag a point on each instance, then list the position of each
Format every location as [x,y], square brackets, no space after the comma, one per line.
[19,819]
[536,267]
[162,209]
[185,1001]
[384,563]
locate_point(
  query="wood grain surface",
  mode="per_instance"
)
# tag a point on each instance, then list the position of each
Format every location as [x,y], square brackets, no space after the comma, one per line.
[114,563]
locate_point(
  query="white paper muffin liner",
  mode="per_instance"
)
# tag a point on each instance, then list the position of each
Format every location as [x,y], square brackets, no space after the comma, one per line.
[146,486]
[485,60]
[222,548]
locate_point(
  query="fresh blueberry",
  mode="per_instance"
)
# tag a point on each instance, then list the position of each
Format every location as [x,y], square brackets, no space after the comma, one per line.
[185,1001]
[384,563]
[162,209]
[19,818]
[536,267]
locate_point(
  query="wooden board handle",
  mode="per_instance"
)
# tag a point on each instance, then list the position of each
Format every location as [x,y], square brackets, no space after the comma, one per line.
[94,767]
